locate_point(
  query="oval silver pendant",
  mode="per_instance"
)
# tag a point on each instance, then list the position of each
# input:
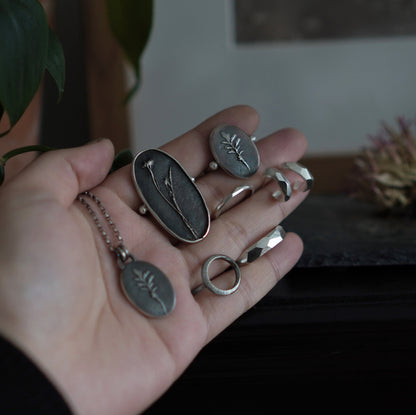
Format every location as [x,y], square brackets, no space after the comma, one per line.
[148,289]
[171,196]
[234,151]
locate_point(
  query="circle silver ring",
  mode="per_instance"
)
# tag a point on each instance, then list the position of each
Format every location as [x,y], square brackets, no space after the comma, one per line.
[237,191]
[207,281]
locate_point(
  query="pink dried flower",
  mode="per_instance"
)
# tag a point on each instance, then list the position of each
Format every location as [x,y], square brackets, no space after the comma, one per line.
[386,171]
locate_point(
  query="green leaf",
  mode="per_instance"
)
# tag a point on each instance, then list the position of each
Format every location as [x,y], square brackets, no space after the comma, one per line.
[24,35]
[131,24]
[55,63]
[123,158]
[2,171]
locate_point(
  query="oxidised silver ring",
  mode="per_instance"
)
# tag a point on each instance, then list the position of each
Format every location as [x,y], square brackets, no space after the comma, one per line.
[170,195]
[234,151]
[237,191]
[207,280]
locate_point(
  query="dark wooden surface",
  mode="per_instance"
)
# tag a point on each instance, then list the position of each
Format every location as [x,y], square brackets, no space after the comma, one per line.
[338,331]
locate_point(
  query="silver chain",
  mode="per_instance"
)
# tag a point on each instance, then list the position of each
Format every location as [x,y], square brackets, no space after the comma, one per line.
[139,280]
[121,252]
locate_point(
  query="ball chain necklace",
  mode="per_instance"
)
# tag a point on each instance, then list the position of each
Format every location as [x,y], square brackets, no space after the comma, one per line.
[146,287]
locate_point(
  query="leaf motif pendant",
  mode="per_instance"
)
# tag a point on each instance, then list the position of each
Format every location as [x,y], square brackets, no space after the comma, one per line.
[148,289]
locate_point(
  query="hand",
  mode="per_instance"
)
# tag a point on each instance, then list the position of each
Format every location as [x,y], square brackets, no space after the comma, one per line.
[60,299]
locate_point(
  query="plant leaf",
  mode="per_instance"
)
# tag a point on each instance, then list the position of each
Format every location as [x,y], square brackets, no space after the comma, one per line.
[131,24]
[24,48]
[123,158]
[55,63]
[1,174]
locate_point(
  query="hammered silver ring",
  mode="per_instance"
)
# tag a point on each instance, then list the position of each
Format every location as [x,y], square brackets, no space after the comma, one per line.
[303,172]
[207,280]
[285,188]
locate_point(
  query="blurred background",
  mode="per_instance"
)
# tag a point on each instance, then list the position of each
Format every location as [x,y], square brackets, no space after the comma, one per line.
[333,69]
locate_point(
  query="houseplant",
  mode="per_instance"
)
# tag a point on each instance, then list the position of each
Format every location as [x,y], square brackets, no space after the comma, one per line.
[29,47]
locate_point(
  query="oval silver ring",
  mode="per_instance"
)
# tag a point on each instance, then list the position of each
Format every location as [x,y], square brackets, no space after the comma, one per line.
[207,280]
[170,195]
[234,151]
[237,191]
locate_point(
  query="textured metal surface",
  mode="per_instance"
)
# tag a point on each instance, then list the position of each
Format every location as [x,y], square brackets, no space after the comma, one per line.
[282,181]
[302,171]
[148,289]
[262,246]
[207,280]
[171,196]
[234,151]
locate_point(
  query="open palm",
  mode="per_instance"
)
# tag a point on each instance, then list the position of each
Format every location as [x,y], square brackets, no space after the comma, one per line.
[60,296]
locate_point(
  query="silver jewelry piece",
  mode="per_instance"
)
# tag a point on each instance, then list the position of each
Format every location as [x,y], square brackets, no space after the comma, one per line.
[207,280]
[145,286]
[170,195]
[234,151]
[237,191]
[282,181]
[301,171]
[262,246]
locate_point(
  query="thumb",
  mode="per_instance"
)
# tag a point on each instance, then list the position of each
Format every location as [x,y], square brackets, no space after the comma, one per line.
[62,174]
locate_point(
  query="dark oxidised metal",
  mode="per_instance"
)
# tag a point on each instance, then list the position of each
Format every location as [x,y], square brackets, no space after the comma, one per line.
[148,289]
[170,195]
[234,151]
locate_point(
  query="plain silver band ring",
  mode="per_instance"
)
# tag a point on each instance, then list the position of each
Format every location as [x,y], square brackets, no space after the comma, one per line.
[238,190]
[207,281]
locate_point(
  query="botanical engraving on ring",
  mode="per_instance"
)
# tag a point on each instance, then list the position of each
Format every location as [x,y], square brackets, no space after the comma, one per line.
[234,151]
[232,146]
[170,195]
[171,198]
